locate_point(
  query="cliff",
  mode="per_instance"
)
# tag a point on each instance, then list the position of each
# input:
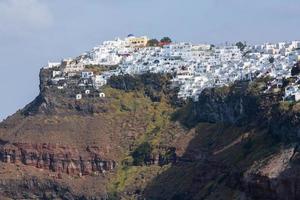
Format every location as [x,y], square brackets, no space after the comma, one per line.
[142,142]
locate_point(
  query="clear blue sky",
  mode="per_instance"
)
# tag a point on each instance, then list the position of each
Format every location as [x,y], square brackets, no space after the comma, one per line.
[35,31]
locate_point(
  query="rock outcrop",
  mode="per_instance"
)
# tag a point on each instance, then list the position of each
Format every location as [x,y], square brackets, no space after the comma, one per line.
[57,158]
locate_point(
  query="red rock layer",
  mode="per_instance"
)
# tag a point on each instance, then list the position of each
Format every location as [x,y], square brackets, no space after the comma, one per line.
[57,158]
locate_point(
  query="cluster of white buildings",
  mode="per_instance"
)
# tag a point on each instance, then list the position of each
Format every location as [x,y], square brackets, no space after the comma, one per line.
[195,67]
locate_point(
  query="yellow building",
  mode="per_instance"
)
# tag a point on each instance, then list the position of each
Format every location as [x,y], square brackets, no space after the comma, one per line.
[138,41]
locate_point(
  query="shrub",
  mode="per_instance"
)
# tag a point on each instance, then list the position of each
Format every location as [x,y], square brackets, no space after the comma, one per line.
[166,40]
[241,45]
[271,59]
[153,43]
[142,154]
[296,69]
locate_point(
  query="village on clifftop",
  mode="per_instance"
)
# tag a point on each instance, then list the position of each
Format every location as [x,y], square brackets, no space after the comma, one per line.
[194,66]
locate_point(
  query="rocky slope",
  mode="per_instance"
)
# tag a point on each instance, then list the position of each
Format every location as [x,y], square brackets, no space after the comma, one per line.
[141,142]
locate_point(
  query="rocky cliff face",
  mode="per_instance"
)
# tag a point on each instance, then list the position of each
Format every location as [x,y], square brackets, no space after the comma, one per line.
[238,104]
[57,158]
[142,142]
[91,137]
[275,178]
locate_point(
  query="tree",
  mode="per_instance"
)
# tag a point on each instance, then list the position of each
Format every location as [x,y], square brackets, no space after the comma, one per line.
[153,43]
[241,45]
[296,69]
[166,40]
[271,59]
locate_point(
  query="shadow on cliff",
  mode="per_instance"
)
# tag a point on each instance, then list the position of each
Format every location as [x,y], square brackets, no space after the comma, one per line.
[197,174]
[213,165]
[230,137]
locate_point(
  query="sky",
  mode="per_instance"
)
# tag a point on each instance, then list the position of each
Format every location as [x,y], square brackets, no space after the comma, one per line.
[33,32]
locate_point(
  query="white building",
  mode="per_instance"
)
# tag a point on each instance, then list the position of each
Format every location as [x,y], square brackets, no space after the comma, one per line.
[78,96]
[194,66]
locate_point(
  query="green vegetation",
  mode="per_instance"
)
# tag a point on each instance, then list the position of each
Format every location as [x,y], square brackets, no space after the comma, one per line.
[153,43]
[142,154]
[144,99]
[296,69]
[136,105]
[166,40]
[271,59]
[131,178]
[232,145]
[241,45]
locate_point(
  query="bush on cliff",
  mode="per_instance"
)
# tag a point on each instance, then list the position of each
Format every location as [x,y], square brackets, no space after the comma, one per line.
[142,154]
[296,69]
[153,43]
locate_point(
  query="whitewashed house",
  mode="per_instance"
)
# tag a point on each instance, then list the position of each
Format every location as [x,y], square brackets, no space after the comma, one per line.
[102,95]
[78,96]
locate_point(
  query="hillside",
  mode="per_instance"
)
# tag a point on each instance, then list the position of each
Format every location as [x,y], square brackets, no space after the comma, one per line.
[141,141]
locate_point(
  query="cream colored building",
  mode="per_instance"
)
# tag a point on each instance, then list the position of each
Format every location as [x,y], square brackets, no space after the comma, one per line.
[137,41]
